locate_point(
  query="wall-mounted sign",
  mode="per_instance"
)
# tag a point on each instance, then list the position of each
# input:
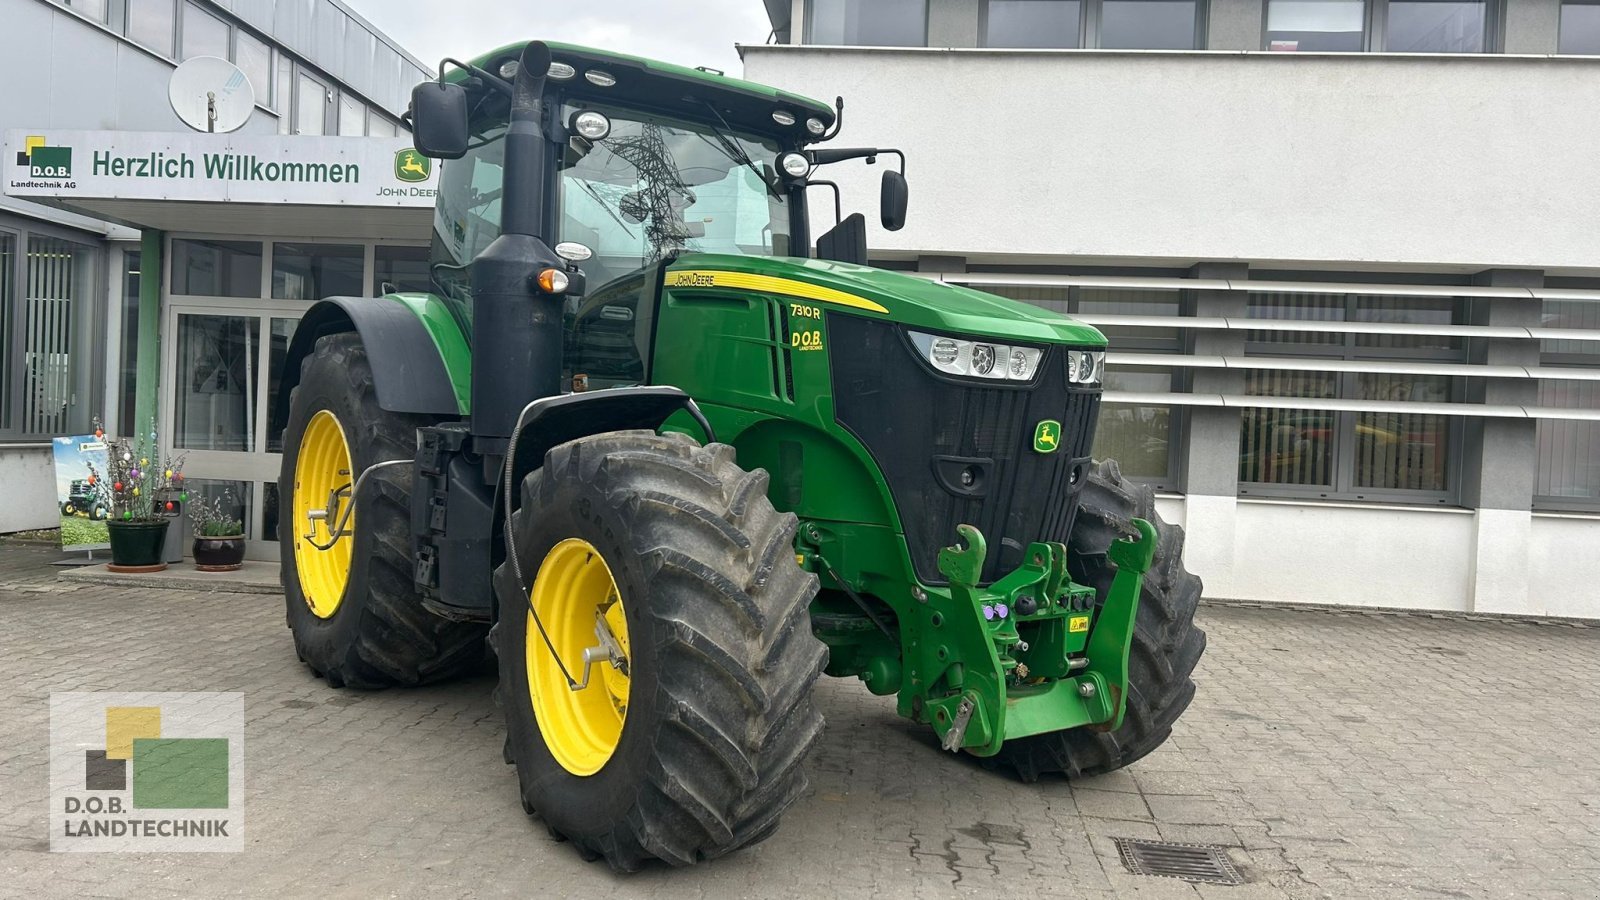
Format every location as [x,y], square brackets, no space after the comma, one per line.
[218,168]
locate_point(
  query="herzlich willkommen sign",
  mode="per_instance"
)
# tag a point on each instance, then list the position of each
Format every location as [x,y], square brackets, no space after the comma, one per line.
[240,168]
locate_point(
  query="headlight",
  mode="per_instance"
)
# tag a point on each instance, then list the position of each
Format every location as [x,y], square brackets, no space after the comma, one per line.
[816,127]
[1086,366]
[978,359]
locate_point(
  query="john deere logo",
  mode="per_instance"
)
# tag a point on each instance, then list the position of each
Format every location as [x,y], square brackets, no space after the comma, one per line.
[45,162]
[1047,436]
[409,165]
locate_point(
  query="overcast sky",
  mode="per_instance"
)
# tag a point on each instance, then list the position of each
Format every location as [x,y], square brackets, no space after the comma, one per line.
[687,32]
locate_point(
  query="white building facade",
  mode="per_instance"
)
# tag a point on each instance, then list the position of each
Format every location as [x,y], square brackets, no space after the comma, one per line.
[1346,253]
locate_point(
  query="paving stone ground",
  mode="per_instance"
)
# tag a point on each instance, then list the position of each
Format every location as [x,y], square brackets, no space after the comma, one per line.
[1334,754]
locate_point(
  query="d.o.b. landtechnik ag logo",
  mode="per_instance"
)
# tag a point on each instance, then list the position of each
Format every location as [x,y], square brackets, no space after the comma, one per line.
[157,772]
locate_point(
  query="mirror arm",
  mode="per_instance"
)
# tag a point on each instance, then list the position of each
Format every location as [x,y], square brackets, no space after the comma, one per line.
[489,78]
[870,154]
[838,119]
[838,202]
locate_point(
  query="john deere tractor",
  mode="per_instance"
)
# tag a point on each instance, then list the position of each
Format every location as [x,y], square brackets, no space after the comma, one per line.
[667,459]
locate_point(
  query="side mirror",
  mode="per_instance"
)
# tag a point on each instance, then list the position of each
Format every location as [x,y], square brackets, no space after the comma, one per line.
[893,200]
[439,120]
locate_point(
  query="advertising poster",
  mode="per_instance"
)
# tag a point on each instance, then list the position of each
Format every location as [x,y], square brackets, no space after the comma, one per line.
[84,502]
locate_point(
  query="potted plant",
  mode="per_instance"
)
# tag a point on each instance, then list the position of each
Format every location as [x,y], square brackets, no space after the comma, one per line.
[136,487]
[218,534]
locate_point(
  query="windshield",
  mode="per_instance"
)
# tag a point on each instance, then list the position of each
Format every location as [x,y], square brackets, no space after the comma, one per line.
[652,187]
[657,186]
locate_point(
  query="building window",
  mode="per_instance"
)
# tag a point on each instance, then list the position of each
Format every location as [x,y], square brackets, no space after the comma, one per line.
[1357,455]
[1108,24]
[1149,24]
[1033,23]
[378,126]
[216,268]
[1394,26]
[1568,470]
[352,115]
[397,269]
[314,271]
[283,92]
[93,9]
[153,24]
[128,369]
[1580,28]
[203,34]
[254,58]
[310,106]
[1435,26]
[868,23]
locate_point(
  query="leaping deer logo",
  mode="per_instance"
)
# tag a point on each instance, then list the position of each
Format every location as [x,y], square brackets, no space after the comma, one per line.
[1047,436]
[409,165]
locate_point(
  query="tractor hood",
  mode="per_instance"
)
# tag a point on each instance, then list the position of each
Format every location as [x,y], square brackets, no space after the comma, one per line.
[902,298]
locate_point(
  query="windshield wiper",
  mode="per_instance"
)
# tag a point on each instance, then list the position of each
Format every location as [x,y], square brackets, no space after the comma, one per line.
[735,151]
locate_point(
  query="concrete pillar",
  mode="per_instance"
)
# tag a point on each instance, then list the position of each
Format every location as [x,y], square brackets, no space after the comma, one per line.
[1531,26]
[1499,455]
[1235,25]
[1210,459]
[953,23]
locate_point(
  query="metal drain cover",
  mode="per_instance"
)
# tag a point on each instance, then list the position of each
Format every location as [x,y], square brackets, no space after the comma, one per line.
[1203,863]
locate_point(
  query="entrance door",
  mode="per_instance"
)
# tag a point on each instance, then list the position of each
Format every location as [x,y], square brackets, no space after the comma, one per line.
[230,310]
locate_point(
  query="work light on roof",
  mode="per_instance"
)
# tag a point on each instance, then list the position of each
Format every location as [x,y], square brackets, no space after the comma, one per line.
[783,117]
[816,127]
[600,79]
[591,124]
[560,71]
[795,165]
[508,69]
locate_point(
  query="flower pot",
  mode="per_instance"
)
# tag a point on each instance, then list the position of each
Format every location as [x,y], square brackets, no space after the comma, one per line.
[137,545]
[218,553]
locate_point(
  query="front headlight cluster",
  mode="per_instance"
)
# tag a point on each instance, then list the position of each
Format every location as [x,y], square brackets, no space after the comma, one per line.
[978,359]
[1086,366]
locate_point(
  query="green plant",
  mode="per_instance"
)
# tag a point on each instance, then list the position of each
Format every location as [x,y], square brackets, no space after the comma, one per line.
[213,516]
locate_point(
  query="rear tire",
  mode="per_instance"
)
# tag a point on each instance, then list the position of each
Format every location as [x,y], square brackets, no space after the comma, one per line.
[1166,643]
[379,634]
[721,658]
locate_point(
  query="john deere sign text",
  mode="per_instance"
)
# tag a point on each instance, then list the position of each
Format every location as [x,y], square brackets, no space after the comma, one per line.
[218,168]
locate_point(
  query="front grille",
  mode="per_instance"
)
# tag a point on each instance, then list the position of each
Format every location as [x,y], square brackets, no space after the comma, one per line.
[924,429]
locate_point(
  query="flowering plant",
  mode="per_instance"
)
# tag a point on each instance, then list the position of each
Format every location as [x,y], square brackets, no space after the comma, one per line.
[139,481]
[213,516]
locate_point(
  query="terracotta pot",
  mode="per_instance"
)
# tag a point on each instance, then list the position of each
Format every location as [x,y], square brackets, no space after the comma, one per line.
[218,554]
[137,544]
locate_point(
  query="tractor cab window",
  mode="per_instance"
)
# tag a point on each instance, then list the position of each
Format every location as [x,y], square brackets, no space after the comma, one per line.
[466,217]
[650,189]
[654,187]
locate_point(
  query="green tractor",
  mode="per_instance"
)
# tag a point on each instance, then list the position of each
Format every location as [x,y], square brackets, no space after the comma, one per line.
[671,460]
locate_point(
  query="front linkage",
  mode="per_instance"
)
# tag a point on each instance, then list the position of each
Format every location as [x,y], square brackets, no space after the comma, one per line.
[1028,654]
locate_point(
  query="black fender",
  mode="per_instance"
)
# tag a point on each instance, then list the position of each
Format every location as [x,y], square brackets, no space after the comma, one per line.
[552,421]
[407,371]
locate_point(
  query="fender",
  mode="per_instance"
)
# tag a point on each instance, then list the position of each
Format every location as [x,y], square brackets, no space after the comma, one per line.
[408,339]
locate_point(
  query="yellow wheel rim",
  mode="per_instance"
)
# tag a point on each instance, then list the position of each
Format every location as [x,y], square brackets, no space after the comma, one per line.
[322,481]
[574,594]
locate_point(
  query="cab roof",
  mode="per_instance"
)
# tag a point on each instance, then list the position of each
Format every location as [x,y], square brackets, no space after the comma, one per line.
[665,85]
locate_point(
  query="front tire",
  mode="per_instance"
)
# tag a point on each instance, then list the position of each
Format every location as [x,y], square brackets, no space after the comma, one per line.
[355,613]
[699,751]
[1166,643]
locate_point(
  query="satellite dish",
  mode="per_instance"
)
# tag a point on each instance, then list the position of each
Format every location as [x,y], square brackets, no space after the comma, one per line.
[211,94]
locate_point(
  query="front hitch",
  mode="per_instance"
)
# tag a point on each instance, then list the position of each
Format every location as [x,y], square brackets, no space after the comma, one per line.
[1031,653]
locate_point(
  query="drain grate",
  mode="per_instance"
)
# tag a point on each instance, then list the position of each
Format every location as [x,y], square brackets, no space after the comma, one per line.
[1202,863]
